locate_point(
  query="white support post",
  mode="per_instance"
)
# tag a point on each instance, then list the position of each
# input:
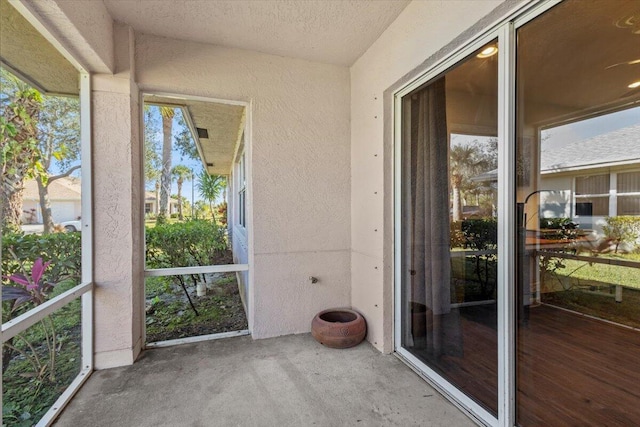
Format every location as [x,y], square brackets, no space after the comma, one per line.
[87,229]
[506,225]
[618,293]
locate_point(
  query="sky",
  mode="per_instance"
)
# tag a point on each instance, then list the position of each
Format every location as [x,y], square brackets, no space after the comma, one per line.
[177,159]
[560,136]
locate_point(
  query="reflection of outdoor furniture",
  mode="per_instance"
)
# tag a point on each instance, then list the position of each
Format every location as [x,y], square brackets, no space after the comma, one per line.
[549,242]
[550,239]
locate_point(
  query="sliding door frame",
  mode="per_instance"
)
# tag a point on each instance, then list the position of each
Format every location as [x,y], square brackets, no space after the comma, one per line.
[504,30]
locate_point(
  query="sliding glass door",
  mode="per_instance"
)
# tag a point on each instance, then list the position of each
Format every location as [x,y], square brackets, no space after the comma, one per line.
[549,332]
[578,189]
[449,225]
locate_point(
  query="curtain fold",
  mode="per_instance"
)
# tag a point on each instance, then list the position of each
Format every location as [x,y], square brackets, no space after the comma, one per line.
[427,263]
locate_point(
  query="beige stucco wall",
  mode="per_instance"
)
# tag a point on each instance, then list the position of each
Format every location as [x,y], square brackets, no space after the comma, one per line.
[420,30]
[299,158]
[118,244]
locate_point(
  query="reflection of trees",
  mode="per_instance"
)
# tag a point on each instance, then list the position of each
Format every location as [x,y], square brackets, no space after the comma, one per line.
[481,235]
[467,162]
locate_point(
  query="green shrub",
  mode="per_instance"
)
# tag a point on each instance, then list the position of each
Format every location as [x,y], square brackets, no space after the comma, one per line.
[480,234]
[622,229]
[62,249]
[184,244]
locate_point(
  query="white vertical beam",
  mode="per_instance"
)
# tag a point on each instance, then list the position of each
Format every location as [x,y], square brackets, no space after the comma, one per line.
[613,194]
[506,225]
[397,223]
[87,229]
[249,214]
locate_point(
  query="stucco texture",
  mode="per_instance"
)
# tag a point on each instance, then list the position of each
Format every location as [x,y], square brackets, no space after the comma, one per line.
[85,30]
[405,45]
[115,308]
[299,158]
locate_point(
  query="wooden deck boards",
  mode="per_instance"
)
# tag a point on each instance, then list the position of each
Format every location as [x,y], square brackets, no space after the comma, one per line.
[572,370]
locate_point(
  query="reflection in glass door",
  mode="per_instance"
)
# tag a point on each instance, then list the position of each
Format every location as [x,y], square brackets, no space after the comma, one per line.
[578,194]
[449,226]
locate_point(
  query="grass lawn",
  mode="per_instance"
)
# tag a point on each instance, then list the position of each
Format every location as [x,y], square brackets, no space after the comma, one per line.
[582,274]
[590,289]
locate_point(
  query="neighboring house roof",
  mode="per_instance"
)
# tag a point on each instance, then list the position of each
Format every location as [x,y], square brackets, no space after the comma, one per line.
[614,148]
[618,147]
[150,196]
[62,189]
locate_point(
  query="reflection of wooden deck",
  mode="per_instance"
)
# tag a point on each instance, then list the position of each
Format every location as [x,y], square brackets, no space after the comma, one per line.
[577,371]
[572,370]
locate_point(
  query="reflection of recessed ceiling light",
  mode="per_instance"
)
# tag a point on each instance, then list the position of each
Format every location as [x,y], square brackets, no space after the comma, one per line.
[487,52]
[634,85]
[633,62]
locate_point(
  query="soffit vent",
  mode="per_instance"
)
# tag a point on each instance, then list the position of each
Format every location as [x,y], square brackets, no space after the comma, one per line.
[203,133]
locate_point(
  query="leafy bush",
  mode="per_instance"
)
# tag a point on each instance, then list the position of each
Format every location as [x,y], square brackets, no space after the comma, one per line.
[480,234]
[456,235]
[38,363]
[184,244]
[63,250]
[622,229]
[222,211]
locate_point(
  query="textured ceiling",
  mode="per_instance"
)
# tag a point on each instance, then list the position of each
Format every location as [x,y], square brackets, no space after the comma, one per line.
[26,52]
[335,32]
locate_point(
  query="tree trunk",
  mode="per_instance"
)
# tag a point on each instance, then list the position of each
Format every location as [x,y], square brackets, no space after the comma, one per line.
[157,197]
[45,206]
[21,156]
[165,178]
[457,201]
[11,207]
[180,216]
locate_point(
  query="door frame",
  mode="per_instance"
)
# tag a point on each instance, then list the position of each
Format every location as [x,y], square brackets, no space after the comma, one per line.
[231,268]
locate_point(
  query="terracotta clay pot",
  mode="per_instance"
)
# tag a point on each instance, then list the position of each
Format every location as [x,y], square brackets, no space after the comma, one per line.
[339,328]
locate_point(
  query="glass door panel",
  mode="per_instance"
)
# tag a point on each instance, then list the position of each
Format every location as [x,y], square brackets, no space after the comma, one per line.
[449,225]
[578,169]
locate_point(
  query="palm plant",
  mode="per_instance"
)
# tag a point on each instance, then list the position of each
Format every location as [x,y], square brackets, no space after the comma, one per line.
[180,173]
[167,114]
[210,187]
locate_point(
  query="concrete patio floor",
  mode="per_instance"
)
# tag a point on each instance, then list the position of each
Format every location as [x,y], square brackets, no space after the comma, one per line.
[285,381]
